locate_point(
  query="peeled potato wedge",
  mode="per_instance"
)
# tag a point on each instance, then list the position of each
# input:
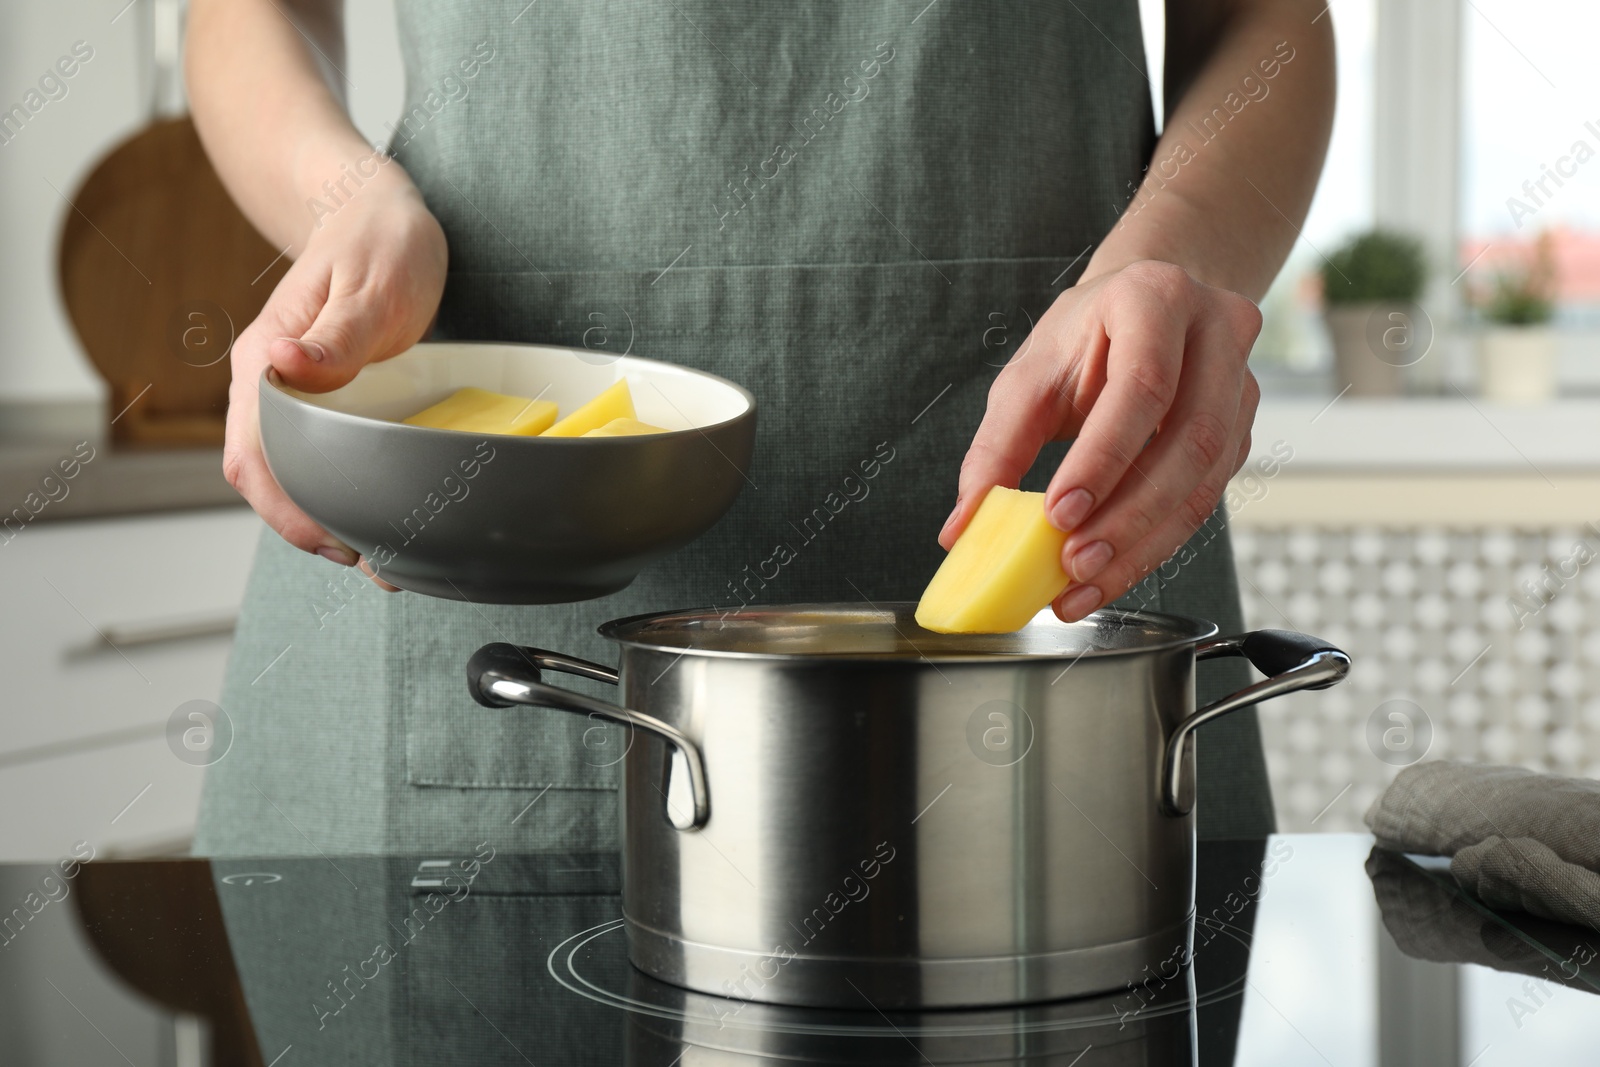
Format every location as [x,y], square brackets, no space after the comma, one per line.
[615,403]
[624,428]
[480,411]
[1002,570]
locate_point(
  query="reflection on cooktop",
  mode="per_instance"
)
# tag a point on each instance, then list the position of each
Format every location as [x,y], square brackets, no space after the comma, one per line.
[495,959]
[1155,1017]
[501,959]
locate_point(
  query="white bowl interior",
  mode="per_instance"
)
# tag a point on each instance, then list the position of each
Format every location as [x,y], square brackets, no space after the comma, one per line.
[664,394]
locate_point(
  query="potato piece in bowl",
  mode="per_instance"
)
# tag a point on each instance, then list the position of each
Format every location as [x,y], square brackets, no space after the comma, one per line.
[615,403]
[475,410]
[625,428]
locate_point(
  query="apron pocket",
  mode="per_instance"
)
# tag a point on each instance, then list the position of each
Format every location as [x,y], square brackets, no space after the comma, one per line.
[451,740]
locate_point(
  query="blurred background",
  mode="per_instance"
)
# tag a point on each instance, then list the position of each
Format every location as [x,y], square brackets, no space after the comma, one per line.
[1429,436]
[1427,452]
[1442,408]
[132,569]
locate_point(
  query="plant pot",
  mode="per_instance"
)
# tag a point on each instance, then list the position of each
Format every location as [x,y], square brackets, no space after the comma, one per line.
[1517,365]
[1361,366]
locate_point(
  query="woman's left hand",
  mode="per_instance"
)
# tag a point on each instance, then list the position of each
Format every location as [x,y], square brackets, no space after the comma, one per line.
[1146,368]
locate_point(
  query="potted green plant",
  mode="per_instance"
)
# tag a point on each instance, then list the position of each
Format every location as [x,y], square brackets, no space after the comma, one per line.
[1517,347]
[1370,287]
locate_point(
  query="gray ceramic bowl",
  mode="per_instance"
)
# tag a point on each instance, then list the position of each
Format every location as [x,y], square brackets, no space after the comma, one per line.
[501,519]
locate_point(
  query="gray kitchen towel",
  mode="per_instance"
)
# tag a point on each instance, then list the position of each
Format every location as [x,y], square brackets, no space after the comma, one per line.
[1430,920]
[1518,839]
[1523,874]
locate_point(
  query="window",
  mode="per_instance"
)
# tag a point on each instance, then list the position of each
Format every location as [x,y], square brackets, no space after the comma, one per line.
[1292,337]
[1530,145]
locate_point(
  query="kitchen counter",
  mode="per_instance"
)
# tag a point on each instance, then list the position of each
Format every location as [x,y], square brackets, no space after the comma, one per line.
[1307,952]
[1431,434]
[46,481]
[1420,461]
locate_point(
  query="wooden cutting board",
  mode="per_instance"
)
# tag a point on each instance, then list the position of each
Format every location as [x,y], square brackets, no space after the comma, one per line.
[159,272]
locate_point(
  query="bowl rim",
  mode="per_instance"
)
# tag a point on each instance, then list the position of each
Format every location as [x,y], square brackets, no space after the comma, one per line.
[271,380]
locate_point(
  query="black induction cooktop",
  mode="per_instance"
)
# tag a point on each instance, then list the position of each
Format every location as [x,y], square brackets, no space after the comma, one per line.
[1307,949]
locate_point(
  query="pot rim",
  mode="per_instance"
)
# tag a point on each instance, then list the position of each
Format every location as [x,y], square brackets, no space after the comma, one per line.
[1183,631]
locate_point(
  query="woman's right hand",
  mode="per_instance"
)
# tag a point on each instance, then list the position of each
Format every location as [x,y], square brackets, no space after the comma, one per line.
[365,288]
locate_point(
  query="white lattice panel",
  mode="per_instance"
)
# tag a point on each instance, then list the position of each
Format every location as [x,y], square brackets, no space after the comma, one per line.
[1428,616]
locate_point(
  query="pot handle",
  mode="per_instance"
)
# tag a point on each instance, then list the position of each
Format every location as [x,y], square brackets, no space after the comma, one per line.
[500,675]
[1292,661]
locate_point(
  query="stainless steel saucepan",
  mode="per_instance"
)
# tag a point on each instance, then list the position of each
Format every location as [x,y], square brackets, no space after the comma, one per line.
[825,805]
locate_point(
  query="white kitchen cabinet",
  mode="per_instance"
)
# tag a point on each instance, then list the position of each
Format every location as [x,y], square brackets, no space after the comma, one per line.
[108,627]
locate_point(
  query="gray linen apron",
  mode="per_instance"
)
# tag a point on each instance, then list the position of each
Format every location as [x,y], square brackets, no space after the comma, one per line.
[853,209]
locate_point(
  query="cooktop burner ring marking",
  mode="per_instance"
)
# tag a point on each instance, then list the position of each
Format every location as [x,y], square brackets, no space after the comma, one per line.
[576,982]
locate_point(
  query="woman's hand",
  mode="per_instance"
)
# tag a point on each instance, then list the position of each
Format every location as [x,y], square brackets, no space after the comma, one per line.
[366,288]
[1146,368]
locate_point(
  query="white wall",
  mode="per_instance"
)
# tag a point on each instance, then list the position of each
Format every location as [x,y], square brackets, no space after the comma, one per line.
[106,102]
[39,356]
[374,66]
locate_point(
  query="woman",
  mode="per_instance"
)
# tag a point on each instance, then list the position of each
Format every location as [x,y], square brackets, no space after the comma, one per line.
[858,211]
